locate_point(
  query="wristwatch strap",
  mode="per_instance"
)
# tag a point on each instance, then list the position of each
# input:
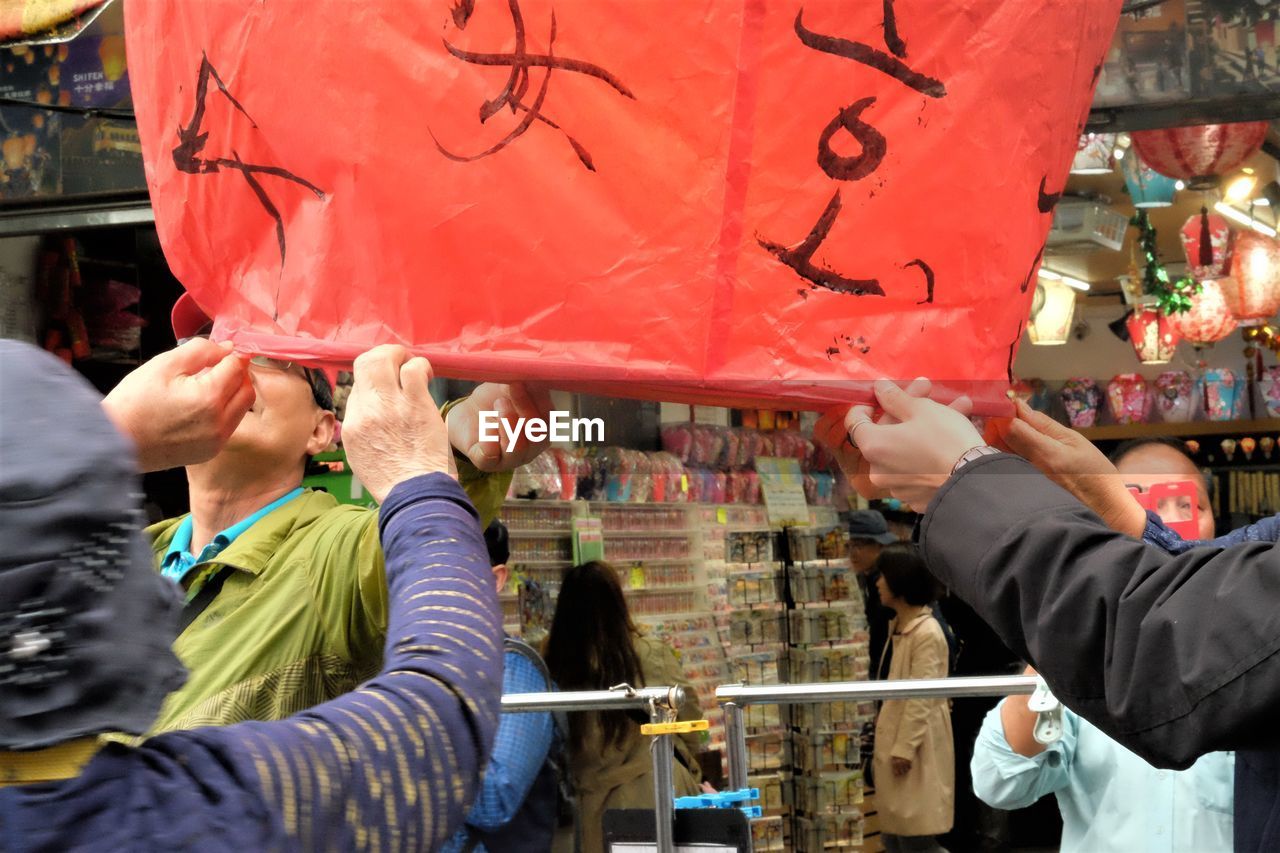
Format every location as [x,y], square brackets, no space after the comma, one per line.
[974,453]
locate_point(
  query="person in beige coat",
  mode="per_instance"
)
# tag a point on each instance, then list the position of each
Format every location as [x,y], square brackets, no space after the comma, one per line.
[594,645]
[914,758]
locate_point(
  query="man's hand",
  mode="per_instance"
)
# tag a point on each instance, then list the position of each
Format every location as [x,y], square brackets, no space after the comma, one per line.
[912,453]
[182,406]
[901,766]
[393,431]
[511,402]
[1070,460]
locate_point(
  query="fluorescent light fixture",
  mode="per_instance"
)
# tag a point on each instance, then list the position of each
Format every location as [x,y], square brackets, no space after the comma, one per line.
[1244,219]
[1261,201]
[1240,188]
[1050,275]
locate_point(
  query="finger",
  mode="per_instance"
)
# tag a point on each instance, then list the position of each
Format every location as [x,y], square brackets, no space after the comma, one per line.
[918,387]
[530,401]
[238,406]
[1029,443]
[857,415]
[226,377]
[415,379]
[894,400]
[195,355]
[963,404]
[1044,424]
[379,368]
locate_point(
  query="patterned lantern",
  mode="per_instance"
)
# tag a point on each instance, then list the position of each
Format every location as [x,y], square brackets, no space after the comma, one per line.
[1207,240]
[1153,336]
[1147,187]
[1093,154]
[1209,320]
[1051,325]
[1253,291]
[1199,155]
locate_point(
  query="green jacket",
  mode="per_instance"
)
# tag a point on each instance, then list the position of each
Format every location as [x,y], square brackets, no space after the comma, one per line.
[302,616]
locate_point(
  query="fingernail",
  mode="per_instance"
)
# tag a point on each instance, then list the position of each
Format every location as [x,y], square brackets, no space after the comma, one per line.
[883,386]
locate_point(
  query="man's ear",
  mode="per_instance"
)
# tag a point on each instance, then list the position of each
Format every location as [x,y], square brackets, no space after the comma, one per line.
[322,434]
[501,574]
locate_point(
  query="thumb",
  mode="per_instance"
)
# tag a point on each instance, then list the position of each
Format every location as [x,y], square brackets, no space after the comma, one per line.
[896,402]
[196,355]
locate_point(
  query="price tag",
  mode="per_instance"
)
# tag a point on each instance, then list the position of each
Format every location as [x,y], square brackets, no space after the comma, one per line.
[637,576]
[722,515]
[684,482]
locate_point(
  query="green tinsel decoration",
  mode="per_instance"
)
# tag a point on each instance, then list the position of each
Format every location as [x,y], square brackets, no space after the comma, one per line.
[1171,296]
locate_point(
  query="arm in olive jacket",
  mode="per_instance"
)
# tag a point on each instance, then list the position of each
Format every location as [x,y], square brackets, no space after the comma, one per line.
[1173,656]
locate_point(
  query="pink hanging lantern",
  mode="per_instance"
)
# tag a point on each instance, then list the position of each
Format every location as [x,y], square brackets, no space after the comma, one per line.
[1207,240]
[1253,291]
[1153,336]
[1199,155]
[1209,320]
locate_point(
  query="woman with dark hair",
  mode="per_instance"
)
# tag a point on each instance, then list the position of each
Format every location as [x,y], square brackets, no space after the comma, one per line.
[594,645]
[914,758]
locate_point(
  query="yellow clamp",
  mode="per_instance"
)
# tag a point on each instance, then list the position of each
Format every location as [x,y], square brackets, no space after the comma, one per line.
[677,728]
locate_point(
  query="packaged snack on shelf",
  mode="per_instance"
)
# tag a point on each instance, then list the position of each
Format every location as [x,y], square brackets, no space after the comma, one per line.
[766,666]
[814,582]
[830,716]
[677,439]
[837,663]
[748,546]
[520,515]
[768,751]
[821,752]
[756,626]
[803,543]
[770,787]
[635,546]
[829,791]
[538,478]
[838,831]
[766,833]
[745,589]
[652,602]
[826,624]
[668,475]
[541,548]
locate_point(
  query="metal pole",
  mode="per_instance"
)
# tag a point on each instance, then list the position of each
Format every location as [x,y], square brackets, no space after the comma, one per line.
[911,688]
[664,804]
[735,739]
[593,700]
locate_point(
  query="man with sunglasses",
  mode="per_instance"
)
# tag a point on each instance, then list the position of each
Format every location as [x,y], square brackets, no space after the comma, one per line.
[286,595]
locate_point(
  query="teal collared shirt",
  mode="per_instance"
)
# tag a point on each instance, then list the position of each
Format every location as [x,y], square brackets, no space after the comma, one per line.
[178,560]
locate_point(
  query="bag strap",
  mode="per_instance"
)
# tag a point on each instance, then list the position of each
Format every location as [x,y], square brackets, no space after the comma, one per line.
[204,597]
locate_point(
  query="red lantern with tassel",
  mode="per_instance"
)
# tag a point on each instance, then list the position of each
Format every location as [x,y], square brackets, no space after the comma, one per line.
[1209,320]
[1153,336]
[1253,291]
[1199,155]
[1207,240]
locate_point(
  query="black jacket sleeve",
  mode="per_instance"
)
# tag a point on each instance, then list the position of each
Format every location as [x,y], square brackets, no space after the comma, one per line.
[1173,656]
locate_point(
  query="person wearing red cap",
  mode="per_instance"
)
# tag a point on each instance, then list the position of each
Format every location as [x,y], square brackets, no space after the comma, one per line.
[285,588]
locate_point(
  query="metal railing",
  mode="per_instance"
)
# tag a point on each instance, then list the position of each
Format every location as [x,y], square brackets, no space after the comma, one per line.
[734,697]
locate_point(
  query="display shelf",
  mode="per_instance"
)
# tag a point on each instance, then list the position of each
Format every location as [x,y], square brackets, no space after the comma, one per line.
[1124,432]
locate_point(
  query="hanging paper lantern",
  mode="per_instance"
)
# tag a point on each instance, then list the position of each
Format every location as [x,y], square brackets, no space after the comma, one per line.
[1051,325]
[1093,154]
[1154,338]
[1147,187]
[1207,239]
[1199,155]
[1253,291]
[1209,320]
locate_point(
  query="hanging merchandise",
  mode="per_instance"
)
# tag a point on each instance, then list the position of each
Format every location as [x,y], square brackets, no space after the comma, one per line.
[1207,240]
[1269,387]
[1173,397]
[1147,187]
[1153,335]
[1093,154]
[1172,297]
[1253,291]
[1208,320]
[1248,444]
[1051,324]
[1220,390]
[719,202]
[1127,398]
[1199,155]
[1081,397]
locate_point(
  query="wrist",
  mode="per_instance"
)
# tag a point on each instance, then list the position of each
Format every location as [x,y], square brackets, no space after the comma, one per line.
[972,454]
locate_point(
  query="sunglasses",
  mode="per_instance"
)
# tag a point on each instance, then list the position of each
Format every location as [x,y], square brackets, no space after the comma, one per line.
[321,392]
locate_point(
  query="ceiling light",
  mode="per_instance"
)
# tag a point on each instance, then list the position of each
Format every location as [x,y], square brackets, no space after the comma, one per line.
[1240,188]
[1180,185]
[1050,275]
[1119,153]
[1244,219]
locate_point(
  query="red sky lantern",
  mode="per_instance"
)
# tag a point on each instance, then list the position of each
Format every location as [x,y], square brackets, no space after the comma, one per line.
[1209,320]
[1199,155]
[1253,291]
[1207,240]
[1153,336]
